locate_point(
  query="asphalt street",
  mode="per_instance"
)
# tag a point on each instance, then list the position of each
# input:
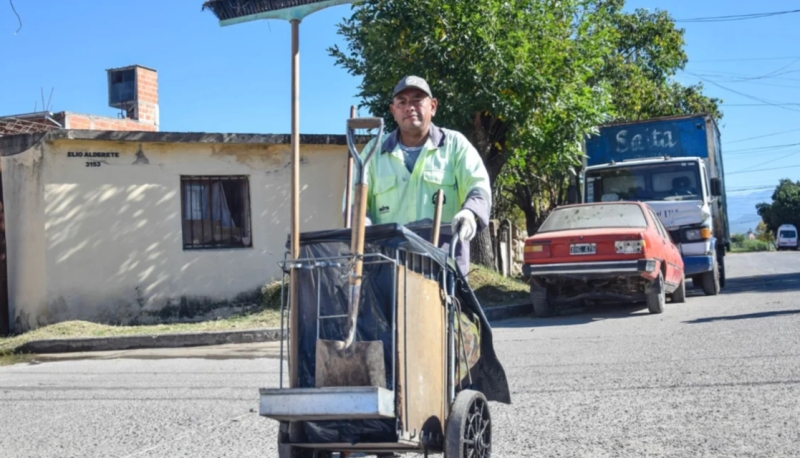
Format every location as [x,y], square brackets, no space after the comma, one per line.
[715,376]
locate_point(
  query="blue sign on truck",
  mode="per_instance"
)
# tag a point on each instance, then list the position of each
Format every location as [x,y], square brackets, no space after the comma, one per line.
[675,165]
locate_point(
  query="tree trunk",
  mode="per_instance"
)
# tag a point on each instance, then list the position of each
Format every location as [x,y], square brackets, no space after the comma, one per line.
[481,250]
[532,222]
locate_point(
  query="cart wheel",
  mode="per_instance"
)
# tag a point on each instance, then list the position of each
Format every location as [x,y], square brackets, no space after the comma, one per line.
[469,427]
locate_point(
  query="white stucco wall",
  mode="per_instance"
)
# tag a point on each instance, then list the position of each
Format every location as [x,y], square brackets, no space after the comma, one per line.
[105,243]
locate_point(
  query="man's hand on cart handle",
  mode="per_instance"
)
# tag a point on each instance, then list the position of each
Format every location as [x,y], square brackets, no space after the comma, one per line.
[464,225]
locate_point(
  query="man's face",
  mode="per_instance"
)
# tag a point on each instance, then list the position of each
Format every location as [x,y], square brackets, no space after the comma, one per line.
[413,109]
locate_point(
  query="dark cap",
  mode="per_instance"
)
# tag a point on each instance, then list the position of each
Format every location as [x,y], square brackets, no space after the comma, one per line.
[412,82]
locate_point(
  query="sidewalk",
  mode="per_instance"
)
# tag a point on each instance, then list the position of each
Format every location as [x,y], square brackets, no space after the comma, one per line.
[118,345]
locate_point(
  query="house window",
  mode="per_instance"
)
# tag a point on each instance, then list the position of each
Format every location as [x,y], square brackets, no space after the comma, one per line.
[215,212]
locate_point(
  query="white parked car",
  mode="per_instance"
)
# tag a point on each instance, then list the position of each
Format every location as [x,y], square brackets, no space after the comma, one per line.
[787,237]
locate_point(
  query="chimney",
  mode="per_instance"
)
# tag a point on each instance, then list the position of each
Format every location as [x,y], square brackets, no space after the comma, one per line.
[134,89]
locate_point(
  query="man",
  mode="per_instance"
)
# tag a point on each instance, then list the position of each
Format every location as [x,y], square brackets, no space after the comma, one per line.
[413,163]
[418,159]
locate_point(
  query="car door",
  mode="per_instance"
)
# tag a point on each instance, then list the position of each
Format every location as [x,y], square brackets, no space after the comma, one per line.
[671,255]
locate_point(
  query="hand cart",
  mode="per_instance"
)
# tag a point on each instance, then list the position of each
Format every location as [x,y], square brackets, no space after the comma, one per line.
[407,303]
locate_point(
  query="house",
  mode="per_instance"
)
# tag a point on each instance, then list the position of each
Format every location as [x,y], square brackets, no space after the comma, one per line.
[121,226]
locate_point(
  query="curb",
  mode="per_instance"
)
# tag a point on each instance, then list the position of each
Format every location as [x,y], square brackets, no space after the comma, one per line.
[150,341]
[198,339]
[506,312]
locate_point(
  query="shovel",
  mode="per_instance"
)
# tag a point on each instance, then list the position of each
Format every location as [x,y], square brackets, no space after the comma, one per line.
[346,362]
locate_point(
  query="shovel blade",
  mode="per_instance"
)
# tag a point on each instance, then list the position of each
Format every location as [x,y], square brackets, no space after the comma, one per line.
[359,365]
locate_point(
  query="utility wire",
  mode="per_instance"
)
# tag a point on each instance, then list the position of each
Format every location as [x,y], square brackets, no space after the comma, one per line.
[762,136]
[737,17]
[764,170]
[744,59]
[742,93]
[762,148]
[770,161]
[11,2]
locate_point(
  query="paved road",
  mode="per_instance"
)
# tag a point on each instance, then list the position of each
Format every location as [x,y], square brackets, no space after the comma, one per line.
[712,377]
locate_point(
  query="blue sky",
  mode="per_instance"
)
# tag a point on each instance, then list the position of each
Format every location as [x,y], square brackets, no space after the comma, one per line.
[237,79]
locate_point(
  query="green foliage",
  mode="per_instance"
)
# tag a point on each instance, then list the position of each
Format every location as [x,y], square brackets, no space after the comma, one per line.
[503,71]
[785,206]
[525,81]
[648,53]
[763,233]
[738,238]
[747,245]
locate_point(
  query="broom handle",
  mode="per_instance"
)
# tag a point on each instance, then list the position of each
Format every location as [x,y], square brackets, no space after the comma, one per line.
[437,218]
[348,219]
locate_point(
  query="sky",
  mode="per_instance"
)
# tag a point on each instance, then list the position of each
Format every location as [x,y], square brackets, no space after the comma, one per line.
[238,78]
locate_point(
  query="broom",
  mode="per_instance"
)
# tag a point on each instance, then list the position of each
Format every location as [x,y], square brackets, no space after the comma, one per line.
[231,12]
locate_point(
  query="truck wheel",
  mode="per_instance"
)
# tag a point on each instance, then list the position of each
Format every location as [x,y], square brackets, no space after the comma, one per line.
[679,295]
[542,307]
[711,280]
[656,295]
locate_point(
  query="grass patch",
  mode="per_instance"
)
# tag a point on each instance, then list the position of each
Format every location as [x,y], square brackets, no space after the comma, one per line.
[748,246]
[265,315]
[493,289]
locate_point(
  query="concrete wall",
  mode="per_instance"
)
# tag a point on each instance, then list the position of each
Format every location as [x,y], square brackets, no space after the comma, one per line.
[105,243]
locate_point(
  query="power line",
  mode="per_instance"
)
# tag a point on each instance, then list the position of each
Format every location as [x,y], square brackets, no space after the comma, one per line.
[773,160]
[762,148]
[741,93]
[762,136]
[744,59]
[760,104]
[764,170]
[737,17]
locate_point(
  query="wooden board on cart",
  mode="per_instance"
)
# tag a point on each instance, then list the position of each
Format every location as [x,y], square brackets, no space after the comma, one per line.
[421,356]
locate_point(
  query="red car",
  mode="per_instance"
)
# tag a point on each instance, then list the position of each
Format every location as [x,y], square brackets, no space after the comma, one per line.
[607,251]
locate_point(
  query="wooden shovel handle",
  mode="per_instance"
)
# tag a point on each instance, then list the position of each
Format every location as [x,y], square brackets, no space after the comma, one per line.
[437,218]
[357,248]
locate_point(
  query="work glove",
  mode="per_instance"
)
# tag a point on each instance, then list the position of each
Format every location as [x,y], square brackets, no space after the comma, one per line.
[468,226]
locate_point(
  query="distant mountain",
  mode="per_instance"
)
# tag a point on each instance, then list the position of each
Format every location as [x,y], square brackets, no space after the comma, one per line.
[742,212]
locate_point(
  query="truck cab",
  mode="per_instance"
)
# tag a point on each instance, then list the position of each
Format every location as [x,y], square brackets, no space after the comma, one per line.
[675,166]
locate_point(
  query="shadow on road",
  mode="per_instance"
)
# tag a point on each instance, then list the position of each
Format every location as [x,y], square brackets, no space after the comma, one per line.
[576,316]
[776,283]
[746,316]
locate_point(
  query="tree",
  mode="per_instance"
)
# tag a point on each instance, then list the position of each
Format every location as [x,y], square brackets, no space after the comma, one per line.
[785,206]
[504,72]
[763,233]
[647,50]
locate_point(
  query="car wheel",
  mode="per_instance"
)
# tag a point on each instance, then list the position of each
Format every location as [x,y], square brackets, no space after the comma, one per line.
[656,295]
[679,295]
[711,280]
[542,307]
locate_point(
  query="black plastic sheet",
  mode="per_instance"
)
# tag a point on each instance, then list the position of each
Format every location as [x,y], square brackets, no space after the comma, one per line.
[328,287]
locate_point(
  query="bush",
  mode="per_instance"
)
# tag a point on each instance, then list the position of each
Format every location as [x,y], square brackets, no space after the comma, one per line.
[750,245]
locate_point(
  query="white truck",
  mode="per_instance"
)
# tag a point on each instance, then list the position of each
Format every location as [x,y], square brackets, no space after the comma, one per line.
[675,165]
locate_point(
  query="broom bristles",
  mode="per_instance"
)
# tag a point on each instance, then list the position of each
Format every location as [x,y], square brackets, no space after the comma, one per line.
[231,9]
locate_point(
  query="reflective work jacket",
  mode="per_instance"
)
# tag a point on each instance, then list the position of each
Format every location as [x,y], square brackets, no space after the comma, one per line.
[448,161]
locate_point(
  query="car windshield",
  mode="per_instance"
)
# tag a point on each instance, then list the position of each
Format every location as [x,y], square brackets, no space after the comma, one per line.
[594,217]
[671,181]
[788,234]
